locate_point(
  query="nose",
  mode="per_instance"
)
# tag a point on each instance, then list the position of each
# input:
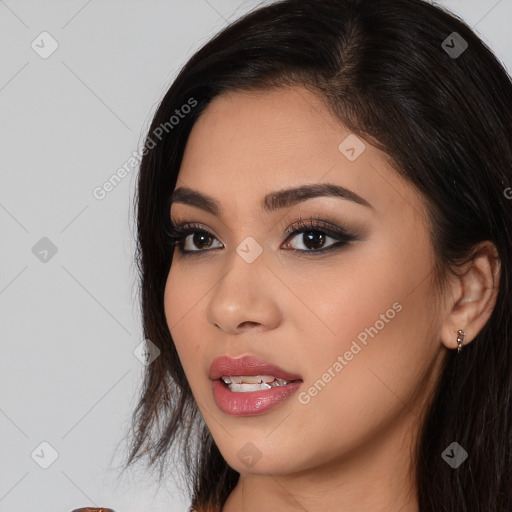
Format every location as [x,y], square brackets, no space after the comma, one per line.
[245,298]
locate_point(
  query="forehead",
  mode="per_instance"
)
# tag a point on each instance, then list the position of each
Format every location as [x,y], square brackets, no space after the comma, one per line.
[278,125]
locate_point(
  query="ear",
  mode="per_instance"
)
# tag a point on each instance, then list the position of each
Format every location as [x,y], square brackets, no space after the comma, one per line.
[474,294]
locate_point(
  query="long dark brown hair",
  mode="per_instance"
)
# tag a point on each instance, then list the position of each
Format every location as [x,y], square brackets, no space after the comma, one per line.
[393,72]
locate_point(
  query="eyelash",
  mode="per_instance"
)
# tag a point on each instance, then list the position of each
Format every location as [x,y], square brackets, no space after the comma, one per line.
[180,231]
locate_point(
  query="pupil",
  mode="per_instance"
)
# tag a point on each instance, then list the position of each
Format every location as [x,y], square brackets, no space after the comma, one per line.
[311,236]
[202,236]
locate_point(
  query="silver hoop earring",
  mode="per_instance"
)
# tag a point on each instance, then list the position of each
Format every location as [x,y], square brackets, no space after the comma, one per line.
[460,340]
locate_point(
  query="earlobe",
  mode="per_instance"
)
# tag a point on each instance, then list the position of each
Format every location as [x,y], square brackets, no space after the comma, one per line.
[475,291]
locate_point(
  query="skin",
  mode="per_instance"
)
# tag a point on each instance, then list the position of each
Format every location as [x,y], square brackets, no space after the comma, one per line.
[350,447]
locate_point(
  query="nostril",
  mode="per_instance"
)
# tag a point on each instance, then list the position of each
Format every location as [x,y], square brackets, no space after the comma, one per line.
[248,323]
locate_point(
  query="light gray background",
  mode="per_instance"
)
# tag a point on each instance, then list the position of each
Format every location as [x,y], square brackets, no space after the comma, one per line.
[69,325]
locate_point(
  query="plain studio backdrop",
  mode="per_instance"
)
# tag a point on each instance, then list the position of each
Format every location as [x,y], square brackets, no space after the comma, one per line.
[79,81]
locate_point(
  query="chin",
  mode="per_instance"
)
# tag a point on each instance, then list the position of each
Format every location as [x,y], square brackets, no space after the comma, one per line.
[250,460]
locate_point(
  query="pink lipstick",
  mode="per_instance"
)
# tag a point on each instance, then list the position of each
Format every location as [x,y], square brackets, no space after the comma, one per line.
[247,386]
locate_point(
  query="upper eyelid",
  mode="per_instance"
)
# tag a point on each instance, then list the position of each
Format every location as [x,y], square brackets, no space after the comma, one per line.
[301,223]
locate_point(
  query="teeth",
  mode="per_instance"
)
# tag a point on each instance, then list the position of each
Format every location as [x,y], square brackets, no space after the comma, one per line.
[249,379]
[245,384]
[245,388]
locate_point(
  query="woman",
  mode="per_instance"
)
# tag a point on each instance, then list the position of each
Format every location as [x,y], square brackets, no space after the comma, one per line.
[324,246]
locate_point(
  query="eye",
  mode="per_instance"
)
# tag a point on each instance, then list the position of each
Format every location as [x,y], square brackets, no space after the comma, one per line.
[311,240]
[314,235]
[193,239]
[186,236]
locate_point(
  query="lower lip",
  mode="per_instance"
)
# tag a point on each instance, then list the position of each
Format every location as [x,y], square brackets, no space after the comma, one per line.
[251,403]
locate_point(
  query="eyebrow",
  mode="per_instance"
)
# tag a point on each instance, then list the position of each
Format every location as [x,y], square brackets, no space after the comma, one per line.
[272,201]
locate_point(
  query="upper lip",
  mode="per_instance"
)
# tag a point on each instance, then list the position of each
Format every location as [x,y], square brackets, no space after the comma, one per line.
[245,366]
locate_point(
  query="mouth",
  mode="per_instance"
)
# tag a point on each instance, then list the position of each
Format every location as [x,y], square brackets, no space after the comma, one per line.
[247,386]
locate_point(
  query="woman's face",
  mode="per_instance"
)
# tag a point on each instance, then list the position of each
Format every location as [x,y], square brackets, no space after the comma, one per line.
[355,324]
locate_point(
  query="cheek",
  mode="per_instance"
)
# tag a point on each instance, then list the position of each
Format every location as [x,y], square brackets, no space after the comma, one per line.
[182,304]
[349,296]
[181,298]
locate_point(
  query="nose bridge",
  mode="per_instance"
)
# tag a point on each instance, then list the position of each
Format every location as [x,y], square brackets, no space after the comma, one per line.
[242,296]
